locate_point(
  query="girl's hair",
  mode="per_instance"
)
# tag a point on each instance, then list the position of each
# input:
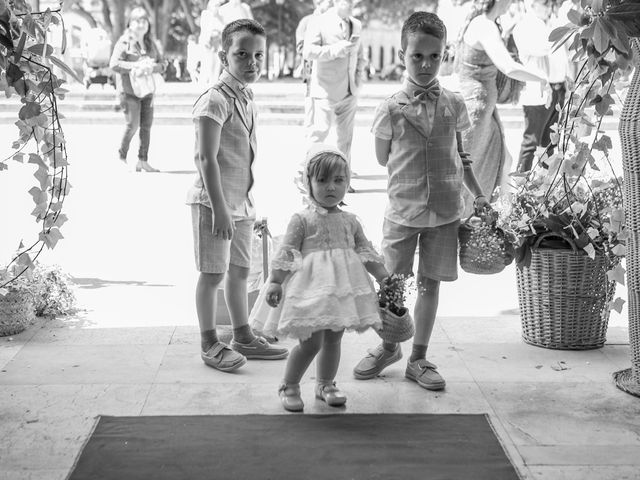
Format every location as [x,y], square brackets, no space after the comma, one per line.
[324,164]
[149,44]
[478,7]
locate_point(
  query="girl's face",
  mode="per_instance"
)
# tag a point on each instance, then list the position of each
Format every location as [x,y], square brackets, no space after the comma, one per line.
[245,56]
[329,191]
[139,23]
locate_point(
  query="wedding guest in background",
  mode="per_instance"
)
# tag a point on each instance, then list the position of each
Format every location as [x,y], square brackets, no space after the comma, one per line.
[211,25]
[321,6]
[531,35]
[235,10]
[332,43]
[135,58]
[481,52]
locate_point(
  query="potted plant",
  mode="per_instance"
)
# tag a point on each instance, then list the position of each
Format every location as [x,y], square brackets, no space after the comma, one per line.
[565,217]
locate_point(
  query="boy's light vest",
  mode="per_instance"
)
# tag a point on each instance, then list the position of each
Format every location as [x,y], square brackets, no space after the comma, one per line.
[425,170]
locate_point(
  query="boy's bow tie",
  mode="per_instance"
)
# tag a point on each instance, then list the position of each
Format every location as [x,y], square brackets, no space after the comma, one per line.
[431,93]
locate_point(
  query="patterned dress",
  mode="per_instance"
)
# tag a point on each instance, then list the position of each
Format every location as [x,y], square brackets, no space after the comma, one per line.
[485,139]
[328,287]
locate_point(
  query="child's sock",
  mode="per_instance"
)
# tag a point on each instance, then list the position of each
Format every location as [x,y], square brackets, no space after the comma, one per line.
[243,334]
[418,352]
[208,339]
[389,347]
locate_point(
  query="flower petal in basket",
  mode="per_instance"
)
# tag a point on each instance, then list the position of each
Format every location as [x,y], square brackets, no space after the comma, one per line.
[395,328]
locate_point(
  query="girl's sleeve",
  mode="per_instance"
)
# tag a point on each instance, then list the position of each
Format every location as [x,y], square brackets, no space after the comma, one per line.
[288,257]
[364,248]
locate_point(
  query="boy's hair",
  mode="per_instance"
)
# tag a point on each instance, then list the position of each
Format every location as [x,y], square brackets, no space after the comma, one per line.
[243,25]
[423,22]
[325,163]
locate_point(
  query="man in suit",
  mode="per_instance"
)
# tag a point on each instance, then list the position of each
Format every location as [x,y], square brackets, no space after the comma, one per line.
[332,42]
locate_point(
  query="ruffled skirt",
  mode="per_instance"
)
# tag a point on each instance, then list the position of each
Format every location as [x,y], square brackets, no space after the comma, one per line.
[330,291]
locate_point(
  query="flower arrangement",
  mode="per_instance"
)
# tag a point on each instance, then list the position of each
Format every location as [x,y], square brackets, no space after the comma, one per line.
[392,294]
[573,191]
[484,248]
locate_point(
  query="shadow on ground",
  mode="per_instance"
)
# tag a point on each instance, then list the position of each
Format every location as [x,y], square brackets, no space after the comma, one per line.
[93,283]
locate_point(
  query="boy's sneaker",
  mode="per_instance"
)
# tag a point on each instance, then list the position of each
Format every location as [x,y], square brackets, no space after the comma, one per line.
[376,360]
[260,349]
[425,374]
[222,358]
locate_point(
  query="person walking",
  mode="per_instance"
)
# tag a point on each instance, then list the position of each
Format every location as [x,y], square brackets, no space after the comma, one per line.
[135,58]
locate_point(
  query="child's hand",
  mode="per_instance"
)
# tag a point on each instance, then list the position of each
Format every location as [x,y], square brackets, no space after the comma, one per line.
[274,294]
[481,204]
[223,225]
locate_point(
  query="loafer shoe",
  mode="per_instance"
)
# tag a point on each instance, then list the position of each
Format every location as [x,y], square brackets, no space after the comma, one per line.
[290,397]
[260,349]
[376,360]
[425,374]
[222,358]
[330,394]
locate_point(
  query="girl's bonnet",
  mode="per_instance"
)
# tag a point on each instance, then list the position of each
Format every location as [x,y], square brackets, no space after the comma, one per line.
[304,181]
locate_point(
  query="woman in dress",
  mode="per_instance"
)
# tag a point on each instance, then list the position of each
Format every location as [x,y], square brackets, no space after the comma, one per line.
[481,53]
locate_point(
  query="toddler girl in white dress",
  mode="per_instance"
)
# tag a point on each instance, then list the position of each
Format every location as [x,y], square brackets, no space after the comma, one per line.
[319,286]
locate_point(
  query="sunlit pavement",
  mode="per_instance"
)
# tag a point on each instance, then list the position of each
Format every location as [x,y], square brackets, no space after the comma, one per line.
[133,347]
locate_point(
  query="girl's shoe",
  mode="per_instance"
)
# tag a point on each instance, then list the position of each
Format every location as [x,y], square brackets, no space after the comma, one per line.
[290,397]
[143,165]
[329,393]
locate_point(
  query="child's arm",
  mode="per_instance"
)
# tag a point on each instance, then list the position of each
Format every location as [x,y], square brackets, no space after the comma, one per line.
[210,170]
[372,261]
[383,147]
[287,260]
[470,180]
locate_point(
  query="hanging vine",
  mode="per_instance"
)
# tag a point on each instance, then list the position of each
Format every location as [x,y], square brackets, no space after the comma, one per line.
[26,69]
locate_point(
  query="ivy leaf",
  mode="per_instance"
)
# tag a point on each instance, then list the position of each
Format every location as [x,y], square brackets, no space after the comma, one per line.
[24,260]
[60,220]
[51,237]
[593,233]
[42,175]
[19,157]
[5,36]
[617,305]
[575,17]
[591,252]
[616,274]
[37,160]
[619,250]
[63,66]
[41,49]
[3,166]
[29,110]
[603,144]
[626,16]
[600,37]
[39,196]
[603,107]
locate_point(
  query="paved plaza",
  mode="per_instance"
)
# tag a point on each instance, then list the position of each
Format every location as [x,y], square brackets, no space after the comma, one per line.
[133,348]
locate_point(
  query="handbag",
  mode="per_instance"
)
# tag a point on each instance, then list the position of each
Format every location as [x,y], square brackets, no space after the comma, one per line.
[143,85]
[509,89]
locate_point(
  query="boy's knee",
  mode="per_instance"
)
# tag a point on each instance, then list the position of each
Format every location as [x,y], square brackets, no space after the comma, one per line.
[238,273]
[428,286]
[211,279]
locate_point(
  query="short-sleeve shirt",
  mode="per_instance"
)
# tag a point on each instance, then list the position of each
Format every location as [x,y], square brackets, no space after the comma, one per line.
[229,105]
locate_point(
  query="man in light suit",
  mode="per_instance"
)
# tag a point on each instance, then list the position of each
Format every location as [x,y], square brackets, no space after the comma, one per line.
[332,42]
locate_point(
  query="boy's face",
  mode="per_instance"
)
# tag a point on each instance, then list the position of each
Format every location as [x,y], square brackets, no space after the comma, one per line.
[422,57]
[245,56]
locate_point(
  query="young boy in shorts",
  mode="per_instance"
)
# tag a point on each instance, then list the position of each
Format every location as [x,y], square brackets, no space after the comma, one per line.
[418,138]
[221,202]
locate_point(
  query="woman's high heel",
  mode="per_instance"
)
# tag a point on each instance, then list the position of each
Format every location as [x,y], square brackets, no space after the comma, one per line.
[143,165]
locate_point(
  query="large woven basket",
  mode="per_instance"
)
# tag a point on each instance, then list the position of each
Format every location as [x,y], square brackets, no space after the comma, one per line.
[563,298]
[395,329]
[16,313]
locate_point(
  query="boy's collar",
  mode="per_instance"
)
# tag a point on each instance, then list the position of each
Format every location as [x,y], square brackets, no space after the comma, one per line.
[227,77]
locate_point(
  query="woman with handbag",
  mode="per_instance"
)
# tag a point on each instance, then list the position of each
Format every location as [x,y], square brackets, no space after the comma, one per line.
[137,61]
[481,55]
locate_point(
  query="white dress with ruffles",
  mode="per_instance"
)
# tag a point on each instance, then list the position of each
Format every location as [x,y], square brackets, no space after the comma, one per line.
[328,287]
